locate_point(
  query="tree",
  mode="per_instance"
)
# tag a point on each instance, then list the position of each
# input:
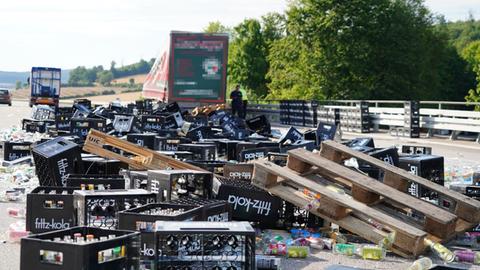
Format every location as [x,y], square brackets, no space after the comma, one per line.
[105,77]
[18,85]
[131,81]
[216,27]
[248,57]
[362,49]
[472,55]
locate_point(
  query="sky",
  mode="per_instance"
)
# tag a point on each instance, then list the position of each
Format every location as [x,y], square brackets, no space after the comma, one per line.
[70,33]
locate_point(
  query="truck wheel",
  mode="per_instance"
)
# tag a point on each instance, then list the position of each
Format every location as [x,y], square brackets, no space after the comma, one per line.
[10,104]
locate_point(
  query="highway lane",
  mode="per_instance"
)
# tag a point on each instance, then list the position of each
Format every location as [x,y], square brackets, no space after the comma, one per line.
[456,153]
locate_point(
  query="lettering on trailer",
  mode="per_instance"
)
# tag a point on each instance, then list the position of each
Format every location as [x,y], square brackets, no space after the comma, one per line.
[262,207]
[62,170]
[44,224]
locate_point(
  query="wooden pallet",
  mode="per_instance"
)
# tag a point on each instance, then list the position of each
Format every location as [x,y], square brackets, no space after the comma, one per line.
[136,157]
[435,220]
[338,208]
[463,207]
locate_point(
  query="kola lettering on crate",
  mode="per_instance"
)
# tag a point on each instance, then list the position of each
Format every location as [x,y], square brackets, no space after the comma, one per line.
[43,224]
[148,251]
[242,175]
[218,218]
[261,206]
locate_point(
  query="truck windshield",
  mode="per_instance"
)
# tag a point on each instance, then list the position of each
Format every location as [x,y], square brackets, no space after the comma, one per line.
[45,83]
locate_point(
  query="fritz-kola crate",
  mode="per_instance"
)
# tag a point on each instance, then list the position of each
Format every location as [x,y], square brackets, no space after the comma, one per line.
[55,160]
[10,151]
[81,248]
[98,182]
[205,245]
[99,208]
[248,202]
[50,209]
[143,219]
[174,184]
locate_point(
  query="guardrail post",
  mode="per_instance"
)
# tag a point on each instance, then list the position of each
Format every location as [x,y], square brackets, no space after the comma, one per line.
[412,118]
[364,117]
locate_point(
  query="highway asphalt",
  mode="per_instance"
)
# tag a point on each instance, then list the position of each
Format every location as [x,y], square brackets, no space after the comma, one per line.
[457,153]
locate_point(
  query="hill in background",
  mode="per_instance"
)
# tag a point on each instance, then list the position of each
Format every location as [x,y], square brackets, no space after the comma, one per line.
[10,78]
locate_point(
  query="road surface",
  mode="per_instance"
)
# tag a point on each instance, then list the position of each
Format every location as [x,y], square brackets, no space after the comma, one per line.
[457,153]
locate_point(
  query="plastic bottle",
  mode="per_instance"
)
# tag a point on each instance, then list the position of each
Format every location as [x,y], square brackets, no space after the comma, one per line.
[372,252]
[421,264]
[441,251]
[467,256]
[345,249]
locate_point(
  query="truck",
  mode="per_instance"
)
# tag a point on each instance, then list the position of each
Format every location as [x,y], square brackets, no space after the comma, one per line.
[193,70]
[45,83]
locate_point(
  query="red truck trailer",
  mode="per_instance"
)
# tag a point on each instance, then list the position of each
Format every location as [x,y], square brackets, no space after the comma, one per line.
[192,70]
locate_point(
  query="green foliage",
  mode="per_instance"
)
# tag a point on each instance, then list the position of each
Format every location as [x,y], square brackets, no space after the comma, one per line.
[216,27]
[105,77]
[131,81]
[18,85]
[248,55]
[364,49]
[462,33]
[472,55]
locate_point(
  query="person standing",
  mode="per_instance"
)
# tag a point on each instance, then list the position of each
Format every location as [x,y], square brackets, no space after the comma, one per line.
[237,101]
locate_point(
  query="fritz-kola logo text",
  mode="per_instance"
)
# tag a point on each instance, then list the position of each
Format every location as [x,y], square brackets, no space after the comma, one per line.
[44,224]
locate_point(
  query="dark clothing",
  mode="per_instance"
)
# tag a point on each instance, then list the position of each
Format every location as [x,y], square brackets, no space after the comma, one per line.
[237,103]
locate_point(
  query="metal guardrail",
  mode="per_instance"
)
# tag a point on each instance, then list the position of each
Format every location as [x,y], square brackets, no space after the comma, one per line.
[393,117]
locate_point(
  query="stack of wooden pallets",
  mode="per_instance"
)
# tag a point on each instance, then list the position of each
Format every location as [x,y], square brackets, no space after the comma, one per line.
[363,205]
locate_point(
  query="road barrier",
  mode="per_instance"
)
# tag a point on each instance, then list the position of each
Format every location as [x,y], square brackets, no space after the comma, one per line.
[434,116]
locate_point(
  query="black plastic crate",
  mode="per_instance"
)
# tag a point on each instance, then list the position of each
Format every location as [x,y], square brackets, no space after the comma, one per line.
[214,166]
[249,203]
[212,210]
[152,123]
[292,216]
[360,142]
[180,155]
[171,143]
[55,160]
[62,121]
[174,184]
[32,125]
[143,219]
[256,153]
[102,166]
[200,151]
[325,132]
[80,127]
[105,249]
[199,133]
[426,166]
[205,245]
[138,179]
[96,182]
[125,124]
[416,150]
[50,209]
[10,151]
[242,171]
[100,208]
[259,124]
[278,158]
[145,140]
[291,136]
